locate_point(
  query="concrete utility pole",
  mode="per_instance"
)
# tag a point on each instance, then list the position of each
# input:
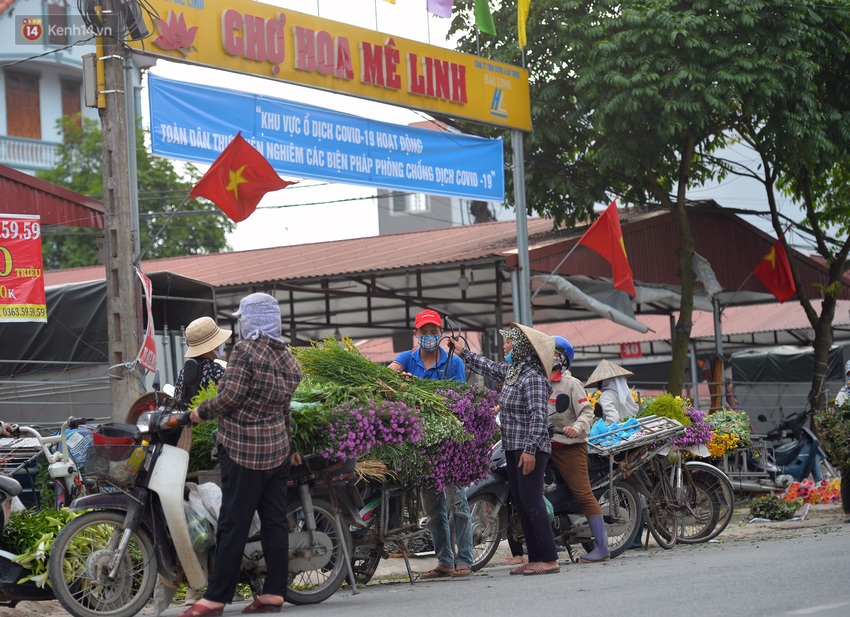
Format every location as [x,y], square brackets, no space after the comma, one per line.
[123,298]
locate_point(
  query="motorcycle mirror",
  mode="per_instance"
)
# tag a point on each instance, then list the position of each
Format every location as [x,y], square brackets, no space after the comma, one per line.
[761,418]
[155,384]
[562,402]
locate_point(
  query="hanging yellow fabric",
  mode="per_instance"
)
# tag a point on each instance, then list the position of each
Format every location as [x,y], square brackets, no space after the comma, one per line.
[522,7]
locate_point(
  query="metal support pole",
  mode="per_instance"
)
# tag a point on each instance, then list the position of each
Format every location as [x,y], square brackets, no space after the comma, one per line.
[123,297]
[522,307]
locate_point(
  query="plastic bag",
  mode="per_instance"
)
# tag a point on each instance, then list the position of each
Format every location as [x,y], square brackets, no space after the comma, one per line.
[200,530]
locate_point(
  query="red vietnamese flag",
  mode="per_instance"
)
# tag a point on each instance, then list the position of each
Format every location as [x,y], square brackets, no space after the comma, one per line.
[238,179]
[606,238]
[774,271]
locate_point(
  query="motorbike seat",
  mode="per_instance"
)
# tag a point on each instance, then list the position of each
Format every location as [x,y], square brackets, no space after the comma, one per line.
[10,486]
[786,453]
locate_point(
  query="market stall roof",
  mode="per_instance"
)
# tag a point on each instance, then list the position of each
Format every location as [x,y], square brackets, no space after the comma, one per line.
[25,194]
[372,287]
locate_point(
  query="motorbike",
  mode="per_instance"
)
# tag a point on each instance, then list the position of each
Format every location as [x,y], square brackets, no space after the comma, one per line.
[66,482]
[790,452]
[393,522]
[108,559]
[493,513]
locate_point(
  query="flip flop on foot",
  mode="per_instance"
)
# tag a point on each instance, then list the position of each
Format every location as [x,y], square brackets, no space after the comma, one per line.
[519,570]
[535,570]
[516,560]
[201,610]
[438,572]
[462,569]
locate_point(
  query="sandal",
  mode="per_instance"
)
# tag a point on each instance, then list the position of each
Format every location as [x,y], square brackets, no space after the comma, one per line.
[438,572]
[199,610]
[519,570]
[262,607]
[515,560]
[462,569]
[535,570]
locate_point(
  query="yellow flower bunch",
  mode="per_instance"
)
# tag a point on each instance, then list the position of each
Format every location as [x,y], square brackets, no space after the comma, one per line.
[721,443]
[593,397]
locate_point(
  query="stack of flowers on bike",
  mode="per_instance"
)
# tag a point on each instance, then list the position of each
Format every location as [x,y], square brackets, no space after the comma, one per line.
[698,432]
[731,431]
[426,432]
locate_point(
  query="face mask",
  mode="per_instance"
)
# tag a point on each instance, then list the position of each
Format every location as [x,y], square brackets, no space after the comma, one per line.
[428,342]
[510,357]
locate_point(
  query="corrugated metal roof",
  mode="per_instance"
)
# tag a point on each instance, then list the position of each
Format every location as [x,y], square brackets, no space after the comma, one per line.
[741,327]
[341,257]
[25,194]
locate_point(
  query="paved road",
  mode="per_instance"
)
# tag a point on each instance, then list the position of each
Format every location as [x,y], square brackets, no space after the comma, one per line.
[776,573]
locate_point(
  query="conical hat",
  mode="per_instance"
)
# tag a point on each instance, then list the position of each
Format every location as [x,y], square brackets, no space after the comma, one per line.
[606,370]
[543,344]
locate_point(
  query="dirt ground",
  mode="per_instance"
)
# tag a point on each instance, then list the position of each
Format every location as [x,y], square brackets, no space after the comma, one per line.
[819,518]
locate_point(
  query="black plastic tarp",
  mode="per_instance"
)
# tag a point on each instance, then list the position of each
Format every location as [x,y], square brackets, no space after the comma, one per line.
[783,365]
[76,330]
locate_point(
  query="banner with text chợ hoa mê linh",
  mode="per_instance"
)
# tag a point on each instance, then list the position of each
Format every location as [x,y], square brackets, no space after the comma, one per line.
[21,274]
[196,123]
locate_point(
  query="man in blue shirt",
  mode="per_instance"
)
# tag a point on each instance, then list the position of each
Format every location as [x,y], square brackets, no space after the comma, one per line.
[430,361]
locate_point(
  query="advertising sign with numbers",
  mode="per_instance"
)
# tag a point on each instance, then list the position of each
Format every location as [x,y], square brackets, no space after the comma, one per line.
[21,274]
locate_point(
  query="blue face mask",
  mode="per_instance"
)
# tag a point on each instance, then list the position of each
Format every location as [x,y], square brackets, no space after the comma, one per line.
[510,357]
[428,342]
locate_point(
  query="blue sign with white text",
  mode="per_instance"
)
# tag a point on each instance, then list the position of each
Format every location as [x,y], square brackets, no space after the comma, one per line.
[195,123]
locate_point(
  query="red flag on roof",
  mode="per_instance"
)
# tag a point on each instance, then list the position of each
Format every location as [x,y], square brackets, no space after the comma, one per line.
[238,179]
[606,238]
[774,271]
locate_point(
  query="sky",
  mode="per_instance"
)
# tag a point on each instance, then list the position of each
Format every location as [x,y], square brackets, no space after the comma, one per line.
[315,211]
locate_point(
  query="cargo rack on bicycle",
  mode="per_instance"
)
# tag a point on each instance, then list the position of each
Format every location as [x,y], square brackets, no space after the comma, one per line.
[648,430]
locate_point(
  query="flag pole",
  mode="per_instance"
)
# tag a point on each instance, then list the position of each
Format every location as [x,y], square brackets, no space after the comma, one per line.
[141,254]
[552,273]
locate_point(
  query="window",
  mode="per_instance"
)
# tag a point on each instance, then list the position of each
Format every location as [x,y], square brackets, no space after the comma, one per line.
[23,107]
[57,22]
[71,105]
[413,203]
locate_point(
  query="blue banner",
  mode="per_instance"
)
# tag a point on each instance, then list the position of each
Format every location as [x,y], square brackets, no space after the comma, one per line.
[195,123]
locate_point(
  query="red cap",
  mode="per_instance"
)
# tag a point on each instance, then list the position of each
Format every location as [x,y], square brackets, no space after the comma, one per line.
[428,316]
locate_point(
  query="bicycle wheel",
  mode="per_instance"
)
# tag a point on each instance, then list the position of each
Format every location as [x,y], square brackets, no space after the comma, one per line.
[662,506]
[487,530]
[80,561]
[622,528]
[317,585]
[718,495]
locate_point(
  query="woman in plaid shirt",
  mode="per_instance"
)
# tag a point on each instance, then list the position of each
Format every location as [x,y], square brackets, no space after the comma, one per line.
[252,408]
[523,412]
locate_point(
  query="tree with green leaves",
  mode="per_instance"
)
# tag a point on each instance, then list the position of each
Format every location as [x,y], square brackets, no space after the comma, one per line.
[802,149]
[630,98]
[196,228]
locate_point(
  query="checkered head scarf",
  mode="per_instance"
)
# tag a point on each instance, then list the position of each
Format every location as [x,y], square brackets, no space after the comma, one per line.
[523,353]
[259,314]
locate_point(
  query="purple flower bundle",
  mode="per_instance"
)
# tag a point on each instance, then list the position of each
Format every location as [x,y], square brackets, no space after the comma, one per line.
[358,426]
[699,432]
[450,463]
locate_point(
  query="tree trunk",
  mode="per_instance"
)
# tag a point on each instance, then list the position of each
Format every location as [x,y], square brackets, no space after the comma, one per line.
[822,344]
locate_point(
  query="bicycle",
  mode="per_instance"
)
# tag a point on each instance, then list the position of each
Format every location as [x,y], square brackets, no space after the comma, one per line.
[690,502]
[61,467]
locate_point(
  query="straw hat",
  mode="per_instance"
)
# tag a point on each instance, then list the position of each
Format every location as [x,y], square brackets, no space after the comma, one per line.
[606,370]
[204,335]
[543,344]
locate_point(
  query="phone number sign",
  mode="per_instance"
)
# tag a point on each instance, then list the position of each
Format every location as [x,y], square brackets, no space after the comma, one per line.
[21,274]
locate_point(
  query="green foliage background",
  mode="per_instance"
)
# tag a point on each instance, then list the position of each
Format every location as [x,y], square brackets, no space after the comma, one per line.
[198,228]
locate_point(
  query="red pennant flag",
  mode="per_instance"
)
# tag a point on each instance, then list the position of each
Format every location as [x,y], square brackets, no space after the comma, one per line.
[606,238]
[774,271]
[238,179]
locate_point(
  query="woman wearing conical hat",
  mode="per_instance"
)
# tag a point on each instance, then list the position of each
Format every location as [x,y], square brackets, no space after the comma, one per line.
[523,405]
[616,399]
